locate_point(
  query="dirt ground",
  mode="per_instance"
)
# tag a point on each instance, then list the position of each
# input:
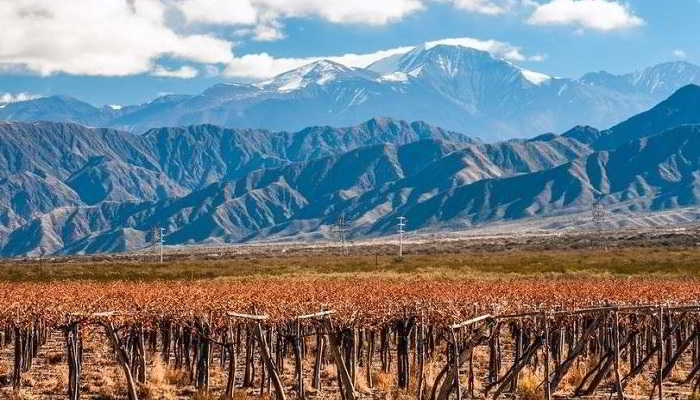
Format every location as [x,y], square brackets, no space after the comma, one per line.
[103,380]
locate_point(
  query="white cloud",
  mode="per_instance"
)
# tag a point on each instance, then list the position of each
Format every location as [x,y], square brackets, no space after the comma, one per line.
[480,6]
[126,37]
[224,12]
[263,18]
[13,98]
[232,12]
[495,47]
[678,53]
[183,72]
[371,12]
[601,15]
[97,37]
[263,65]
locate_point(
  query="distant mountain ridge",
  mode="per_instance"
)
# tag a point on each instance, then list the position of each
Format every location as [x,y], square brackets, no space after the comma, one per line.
[46,166]
[454,87]
[69,189]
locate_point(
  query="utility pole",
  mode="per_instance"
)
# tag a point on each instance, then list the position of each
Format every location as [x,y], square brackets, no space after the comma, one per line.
[162,240]
[402,225]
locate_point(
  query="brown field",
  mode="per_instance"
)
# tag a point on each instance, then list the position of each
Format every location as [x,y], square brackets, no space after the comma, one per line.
[373,294]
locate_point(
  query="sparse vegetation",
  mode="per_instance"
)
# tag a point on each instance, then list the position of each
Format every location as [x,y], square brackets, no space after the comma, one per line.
[648,261]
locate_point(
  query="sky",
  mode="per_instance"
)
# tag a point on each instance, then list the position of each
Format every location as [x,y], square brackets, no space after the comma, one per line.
[132,51]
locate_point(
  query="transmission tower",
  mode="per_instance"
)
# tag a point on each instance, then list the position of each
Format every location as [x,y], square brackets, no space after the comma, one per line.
[341,230]
[401,231]
[598,216]
[159,236]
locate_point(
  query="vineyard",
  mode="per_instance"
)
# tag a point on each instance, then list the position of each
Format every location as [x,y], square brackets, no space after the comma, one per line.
[431,339]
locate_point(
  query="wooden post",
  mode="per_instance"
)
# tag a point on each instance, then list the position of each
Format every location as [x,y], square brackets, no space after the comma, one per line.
[420,339]
[73,356]
[517,351]
[344,379]
[320,342]
[547,389]
[231,381]
[271,367]
[455,365]
[353,355]
[17,370]
[299,362]
[661,352]
[122,358]
[368,362]
[616,349]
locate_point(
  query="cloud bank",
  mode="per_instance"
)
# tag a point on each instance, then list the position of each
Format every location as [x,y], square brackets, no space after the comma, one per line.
[98,37]
[129,37]
[600,15]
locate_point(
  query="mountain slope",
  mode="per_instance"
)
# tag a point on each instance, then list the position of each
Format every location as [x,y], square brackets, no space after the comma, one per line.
[649,174]
[454,87]
[305,195]
[683,107]
[48,166]
[72,189]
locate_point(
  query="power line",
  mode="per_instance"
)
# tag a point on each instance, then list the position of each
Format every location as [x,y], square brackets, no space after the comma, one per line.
[401,231]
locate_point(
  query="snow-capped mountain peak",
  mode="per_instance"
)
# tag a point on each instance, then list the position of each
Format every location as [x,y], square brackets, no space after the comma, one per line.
[451,62]
[665,77]
[443,59]
[319,73]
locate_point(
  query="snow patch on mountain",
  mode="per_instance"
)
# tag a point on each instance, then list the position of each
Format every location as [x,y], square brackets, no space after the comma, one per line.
[536,78]
[394,77]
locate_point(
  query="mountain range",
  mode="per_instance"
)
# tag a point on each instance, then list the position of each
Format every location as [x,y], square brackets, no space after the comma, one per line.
[457,88]
[71,189]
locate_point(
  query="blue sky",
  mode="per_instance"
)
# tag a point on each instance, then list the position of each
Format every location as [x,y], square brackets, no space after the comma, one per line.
[126,52]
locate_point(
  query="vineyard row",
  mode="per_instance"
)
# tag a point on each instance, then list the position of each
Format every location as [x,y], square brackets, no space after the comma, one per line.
[624,342]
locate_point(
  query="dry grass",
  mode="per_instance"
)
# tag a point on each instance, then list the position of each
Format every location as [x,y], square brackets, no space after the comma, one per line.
[402,394]
[158,385]
[640,385]
[662,261]
[529,386]
[329,372]
[17,395]
[205,396]
[361,384]
[384,381]
[105,383]
[577,372]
